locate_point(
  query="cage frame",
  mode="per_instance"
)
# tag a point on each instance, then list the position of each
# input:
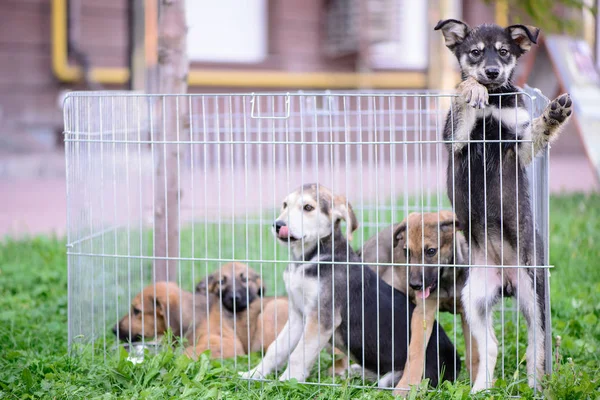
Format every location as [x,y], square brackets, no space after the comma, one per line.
[540,186]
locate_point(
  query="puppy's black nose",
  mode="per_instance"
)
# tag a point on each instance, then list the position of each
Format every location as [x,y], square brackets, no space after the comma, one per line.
[278,225]
[492,72]
[414,285]
[238,297]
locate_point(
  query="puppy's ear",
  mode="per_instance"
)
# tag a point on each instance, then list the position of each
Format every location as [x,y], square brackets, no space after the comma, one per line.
[449,222]
[524,35]
[261,288]
[254,277]
[214,284]
[169,311]
[344,210]
[398,234]
[201,286]
[208,285]
[454,31]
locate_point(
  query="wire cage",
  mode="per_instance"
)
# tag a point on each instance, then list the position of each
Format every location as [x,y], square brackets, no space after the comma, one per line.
[176,186]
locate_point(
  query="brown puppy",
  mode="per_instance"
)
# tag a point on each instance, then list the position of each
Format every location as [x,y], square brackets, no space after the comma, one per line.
[236,284]
[206,319]
[429,239]
[255,320]
[165,305]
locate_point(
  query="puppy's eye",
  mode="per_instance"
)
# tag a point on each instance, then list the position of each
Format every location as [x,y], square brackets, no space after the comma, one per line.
[475,52]
[136,311]
[284,205]
[430,252]
[308,208]
[503,52]
[242,277]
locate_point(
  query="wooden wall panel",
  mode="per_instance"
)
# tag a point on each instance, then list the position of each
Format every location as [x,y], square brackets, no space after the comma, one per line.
[24,23]
[29,92]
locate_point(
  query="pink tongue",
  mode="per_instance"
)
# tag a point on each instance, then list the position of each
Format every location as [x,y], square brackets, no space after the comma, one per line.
[284,232]
[424,293]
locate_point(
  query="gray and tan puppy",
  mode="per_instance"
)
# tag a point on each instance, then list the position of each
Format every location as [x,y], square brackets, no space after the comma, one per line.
[429,238]
[491,139]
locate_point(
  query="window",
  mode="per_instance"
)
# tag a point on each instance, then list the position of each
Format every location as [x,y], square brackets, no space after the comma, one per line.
[228,31]
[404,42]
[342,27]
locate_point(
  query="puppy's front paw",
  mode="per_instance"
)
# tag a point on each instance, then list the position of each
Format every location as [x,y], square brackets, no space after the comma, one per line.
[478,387]
[558,111]
[402,392]
[355,370]
[300,376]
[253,373]
[285,376]
[473,93]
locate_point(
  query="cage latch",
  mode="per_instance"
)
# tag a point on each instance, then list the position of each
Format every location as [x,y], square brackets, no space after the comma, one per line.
[285,116]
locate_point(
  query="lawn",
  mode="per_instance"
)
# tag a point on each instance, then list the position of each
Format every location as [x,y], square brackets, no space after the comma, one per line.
[33,333]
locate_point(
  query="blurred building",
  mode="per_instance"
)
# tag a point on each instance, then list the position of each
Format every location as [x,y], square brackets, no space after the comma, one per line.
[47,45]
[44,44]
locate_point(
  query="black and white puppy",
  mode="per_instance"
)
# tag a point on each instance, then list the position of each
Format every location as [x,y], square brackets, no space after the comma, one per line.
[491,139]
[334,299]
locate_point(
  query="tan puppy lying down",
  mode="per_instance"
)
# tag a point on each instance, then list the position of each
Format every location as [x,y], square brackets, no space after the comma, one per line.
[202,320]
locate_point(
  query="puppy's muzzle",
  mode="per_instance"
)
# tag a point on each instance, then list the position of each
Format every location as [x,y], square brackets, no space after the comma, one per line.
[278,225]
[415,285]
[422,289]
[492,72]
[282,231]
[123,334]
[235,301]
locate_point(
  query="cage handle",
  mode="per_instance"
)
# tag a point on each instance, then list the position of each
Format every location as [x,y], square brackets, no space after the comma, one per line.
[287,109]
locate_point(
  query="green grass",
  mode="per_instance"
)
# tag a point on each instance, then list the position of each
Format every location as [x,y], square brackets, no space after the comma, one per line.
[34,362]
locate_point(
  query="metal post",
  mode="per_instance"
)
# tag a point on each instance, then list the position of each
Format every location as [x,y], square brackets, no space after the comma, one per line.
[540,186]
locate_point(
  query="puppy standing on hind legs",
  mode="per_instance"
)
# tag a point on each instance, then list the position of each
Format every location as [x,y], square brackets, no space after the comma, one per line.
[491,141]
